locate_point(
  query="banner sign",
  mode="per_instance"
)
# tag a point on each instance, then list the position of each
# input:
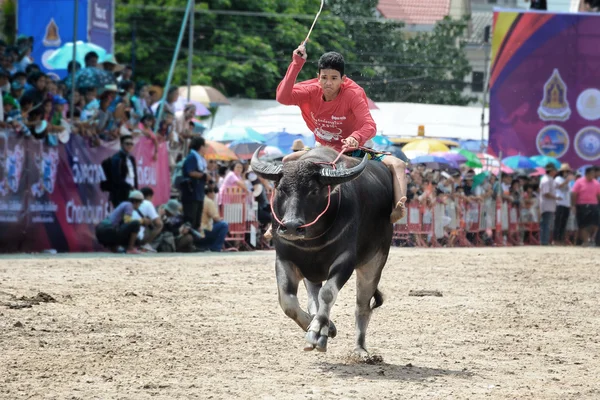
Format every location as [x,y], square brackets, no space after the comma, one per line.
[544,88]
[50,197]
[51,25]
[101,22]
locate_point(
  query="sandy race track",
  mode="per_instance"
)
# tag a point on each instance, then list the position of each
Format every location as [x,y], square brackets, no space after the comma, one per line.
[512,323]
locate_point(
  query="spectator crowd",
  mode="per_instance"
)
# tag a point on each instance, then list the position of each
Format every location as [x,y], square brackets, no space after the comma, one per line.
[110,105]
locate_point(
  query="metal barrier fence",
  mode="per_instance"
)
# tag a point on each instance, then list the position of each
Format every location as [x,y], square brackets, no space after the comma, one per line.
[450,223]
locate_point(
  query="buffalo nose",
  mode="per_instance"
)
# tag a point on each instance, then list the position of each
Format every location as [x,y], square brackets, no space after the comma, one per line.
[293,227]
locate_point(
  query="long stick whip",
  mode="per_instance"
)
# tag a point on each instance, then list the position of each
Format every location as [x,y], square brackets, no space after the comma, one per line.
[314,22]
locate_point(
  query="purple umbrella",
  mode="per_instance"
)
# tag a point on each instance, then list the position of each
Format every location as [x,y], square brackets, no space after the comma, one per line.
[201,110]
[454,157]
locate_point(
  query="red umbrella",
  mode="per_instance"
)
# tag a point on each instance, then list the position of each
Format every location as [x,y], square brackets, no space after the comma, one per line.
[372,105]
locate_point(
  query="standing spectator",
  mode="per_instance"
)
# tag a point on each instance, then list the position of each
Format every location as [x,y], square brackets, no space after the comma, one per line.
[119,229]
[538,4]
[194,180]
[547,201]
[150,221]
[126,74]
[214,228]
[586,196]
[38,91]
[233,179]
[563,204]
[123,176]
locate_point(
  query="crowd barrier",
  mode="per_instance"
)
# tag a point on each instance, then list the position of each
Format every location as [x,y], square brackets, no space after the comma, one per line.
[450,223]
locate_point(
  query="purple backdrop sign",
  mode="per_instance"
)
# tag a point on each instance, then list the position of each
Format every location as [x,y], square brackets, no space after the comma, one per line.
[544,86]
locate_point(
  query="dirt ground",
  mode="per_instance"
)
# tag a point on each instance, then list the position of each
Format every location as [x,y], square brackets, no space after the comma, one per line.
[516,323]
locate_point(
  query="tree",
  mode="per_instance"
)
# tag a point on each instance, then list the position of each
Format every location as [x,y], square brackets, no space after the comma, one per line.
[243,47]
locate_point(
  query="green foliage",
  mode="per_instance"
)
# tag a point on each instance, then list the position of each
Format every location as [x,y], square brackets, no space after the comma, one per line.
[243,47]
[9,14]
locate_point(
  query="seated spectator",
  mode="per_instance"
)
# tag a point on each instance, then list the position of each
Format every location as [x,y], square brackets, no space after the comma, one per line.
[214,228]
[120,229]
[176,234]
[91,106]
[151,223]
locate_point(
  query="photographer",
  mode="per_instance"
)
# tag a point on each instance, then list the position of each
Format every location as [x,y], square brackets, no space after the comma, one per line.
[176,235]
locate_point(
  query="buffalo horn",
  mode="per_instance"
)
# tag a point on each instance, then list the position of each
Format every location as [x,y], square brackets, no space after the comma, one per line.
[330,176]
[263,169]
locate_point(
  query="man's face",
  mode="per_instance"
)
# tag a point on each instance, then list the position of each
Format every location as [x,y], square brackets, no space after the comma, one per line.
[59,108]
[202,150]
[330,81]
[127,145]
[92,62]
[41,83]
[90,95]
[127,73]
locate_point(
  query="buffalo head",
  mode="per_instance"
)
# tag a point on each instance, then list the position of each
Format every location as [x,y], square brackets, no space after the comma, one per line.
[304,190]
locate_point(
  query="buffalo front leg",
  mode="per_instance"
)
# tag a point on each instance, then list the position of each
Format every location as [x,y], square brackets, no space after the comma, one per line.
[319,328]
[288,277]
[312,291]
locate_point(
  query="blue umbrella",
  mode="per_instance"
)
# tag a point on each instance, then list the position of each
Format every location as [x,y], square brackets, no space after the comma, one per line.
[63,55]
[229,133]
[244,148]
[285,140]
[92,77]
[433,159]
[542,161]
[581,170]
[519,162]
[474,146]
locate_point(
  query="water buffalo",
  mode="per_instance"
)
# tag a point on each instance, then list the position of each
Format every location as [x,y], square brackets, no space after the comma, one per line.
[328,223]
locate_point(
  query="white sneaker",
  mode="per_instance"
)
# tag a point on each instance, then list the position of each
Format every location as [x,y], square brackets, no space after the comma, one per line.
[148,248]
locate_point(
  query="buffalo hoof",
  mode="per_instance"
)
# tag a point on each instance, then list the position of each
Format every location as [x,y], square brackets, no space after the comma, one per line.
[332,330]
[316,336]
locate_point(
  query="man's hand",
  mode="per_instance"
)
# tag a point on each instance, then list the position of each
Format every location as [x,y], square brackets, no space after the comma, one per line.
[350,142]
[301,51]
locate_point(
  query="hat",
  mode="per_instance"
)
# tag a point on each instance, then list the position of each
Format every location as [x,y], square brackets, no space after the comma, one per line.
[565,167]
[16,85]
[136,195]
[59,100]
[298,145]
[8,99]
[173,207]
[110,59]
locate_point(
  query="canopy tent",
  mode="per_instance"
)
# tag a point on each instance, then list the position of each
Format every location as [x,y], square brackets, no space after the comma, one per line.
[392,119]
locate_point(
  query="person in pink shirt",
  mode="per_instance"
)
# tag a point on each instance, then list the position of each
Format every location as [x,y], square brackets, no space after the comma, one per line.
[336,110]
[586,198]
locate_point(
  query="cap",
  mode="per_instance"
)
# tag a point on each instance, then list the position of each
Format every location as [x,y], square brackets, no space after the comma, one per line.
[136,195]
[59,100]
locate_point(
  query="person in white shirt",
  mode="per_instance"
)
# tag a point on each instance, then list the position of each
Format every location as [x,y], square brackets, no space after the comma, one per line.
[151,223]
[563,204]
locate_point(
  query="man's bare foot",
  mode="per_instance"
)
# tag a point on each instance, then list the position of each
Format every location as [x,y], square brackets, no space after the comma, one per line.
[398,212]
[269,233]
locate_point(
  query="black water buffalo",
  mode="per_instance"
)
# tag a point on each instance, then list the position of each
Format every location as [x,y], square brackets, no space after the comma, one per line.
[328,223]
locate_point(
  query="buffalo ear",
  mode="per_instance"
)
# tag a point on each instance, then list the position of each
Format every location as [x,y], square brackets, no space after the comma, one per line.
[269,171]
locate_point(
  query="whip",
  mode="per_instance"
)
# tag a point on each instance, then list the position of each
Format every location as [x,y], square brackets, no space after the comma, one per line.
[314,22]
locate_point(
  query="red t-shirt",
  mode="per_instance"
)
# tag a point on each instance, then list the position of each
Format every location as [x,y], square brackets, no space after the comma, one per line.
[346,116]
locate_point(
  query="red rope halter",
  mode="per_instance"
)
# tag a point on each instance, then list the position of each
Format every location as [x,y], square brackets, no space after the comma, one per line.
[332,163]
